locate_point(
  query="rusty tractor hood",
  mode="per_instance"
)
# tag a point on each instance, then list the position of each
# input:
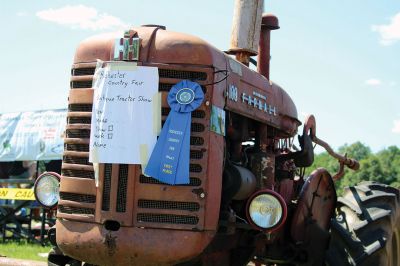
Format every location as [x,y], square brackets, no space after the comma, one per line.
[159,46]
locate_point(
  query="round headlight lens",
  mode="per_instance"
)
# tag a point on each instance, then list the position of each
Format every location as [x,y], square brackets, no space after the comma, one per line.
[47,189]
[265,211]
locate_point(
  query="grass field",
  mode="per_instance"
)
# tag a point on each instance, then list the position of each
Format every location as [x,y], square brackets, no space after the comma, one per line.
[23,250]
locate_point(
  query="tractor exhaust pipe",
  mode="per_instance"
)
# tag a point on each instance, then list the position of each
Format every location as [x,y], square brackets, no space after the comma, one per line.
[269,22]
[246,29]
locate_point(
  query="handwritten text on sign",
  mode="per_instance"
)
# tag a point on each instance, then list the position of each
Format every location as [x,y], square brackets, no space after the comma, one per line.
[123,114]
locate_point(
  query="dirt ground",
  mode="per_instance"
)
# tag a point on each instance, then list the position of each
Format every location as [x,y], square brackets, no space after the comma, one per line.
[16,262]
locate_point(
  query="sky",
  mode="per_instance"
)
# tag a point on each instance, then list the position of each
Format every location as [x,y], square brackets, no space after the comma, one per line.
[338,60]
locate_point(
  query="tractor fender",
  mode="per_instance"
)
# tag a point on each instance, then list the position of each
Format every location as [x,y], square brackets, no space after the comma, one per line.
[315,207]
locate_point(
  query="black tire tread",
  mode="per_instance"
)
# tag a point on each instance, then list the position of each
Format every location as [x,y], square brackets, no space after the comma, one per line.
[362,231]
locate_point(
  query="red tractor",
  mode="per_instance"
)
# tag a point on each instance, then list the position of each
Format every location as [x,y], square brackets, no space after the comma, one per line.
[246,198]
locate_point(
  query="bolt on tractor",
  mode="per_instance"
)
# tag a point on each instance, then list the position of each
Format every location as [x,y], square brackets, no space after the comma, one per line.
[223,183]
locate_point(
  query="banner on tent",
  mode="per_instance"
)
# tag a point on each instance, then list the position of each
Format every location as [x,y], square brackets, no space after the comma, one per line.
[32,135]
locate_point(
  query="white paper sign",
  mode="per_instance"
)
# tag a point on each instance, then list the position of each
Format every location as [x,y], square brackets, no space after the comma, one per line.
[123,114]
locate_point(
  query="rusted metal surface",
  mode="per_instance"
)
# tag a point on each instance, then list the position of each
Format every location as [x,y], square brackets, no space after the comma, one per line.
[128,246]
[315,205]
[243,57]
[246,27]
[274,107]
[310,127]
[263,166]
[146,202]
[269,22]
[340,172]
[155,223]
[286,190]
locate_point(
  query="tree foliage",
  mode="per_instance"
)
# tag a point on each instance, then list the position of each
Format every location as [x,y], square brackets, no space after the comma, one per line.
[383,166]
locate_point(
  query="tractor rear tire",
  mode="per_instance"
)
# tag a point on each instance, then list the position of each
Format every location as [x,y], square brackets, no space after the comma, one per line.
[366,229]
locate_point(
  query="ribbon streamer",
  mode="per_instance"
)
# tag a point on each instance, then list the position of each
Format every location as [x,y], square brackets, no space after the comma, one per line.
[170,159]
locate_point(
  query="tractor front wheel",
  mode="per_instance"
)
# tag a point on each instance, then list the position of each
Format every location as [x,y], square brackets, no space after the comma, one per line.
[366,229]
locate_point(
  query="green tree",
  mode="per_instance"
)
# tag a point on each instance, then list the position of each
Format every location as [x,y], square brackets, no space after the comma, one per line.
[356,151]
[390,161]
[383,167]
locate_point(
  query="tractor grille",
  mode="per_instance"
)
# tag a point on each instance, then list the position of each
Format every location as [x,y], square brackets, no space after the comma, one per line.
[124,192]
[77,197]
[79,107]
[168,205]
[77,160]
[79,120]
[122,187]
[78,133]
[194,182]
[107,187]
[167,87]
[167,218]
[75,210]
[195,114]
[163,73]
[178,74]
[76,147]
[86,71]
[77,173]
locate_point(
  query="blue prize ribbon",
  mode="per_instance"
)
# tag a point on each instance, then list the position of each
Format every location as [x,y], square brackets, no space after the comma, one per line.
[169,162]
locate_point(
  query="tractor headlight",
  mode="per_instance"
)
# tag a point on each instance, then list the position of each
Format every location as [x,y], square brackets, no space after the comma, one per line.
[47,189]
[266,210]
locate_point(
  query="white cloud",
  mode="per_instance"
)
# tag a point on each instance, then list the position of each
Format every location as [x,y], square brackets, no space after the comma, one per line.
[81,17]
[373,82]
[396,126]
[390,33]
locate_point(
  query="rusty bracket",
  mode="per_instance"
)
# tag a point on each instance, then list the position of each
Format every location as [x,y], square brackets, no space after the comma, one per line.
[310,128]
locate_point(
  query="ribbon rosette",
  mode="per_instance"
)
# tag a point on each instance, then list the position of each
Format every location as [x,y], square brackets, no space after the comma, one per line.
[170,159]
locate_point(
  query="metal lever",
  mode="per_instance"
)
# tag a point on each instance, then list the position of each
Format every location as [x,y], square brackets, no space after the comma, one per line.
[310,126]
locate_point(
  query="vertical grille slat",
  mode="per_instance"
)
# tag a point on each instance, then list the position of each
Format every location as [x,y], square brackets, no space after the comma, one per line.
[122,187]
[105,206]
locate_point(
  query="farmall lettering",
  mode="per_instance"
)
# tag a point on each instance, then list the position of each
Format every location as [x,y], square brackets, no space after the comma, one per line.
[258,101]
[255,99]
